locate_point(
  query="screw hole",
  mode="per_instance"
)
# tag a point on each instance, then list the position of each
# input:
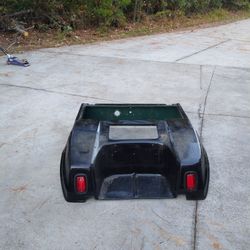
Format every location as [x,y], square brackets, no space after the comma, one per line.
[117,113]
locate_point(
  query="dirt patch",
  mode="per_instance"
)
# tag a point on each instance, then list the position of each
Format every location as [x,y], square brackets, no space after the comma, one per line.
[19,189]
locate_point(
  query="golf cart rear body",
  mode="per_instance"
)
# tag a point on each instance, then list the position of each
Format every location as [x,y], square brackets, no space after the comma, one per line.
[126,151]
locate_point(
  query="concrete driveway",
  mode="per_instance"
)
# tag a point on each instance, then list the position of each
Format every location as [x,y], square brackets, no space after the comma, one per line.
[206,70]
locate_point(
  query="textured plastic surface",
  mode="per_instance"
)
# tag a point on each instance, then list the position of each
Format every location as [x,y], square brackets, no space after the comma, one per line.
[125,167]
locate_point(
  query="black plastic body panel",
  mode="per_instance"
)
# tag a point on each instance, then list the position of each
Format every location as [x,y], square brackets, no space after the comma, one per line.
[140,168]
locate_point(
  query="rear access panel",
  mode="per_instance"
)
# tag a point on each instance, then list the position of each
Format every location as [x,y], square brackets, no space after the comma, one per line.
[129,186]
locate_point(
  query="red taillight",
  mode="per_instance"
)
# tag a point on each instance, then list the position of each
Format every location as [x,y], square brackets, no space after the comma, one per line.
[81,184]
[191,182]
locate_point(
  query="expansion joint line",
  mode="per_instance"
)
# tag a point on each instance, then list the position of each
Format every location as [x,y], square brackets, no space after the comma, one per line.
[202,50]
[201,130]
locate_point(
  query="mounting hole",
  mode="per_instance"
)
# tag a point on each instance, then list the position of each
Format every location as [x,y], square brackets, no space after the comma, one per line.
[117,113]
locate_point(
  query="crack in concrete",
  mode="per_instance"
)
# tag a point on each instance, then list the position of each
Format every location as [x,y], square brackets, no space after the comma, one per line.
[53,91]
[202,50]
[153,211]
[195,224]
[200,77]
[213,114]
[205,102]
[228,115]
[201,130]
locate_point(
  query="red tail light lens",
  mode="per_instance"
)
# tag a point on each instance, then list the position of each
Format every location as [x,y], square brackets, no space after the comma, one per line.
[191,181]
[81,184]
